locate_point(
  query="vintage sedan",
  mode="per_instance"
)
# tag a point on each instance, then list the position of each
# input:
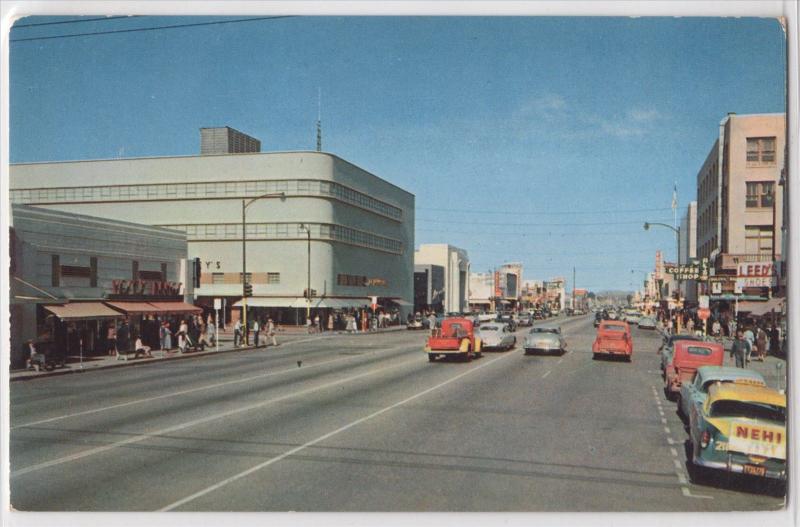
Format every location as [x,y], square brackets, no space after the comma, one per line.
[740,429]
[613,339]
[525,319]
[544,339]
[646,323]
[497,336]
[668,348]
[689,355]
[693,394]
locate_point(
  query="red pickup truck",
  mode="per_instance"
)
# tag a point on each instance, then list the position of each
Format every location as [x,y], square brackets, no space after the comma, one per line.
[456,338]
[613,339]
[689,355]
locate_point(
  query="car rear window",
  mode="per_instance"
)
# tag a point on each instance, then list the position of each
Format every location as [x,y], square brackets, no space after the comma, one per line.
[614,328]
[490,328]
[697,350]
[750,410]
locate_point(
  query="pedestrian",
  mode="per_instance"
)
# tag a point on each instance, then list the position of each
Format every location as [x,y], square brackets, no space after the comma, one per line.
[256,330]
[309,326]
[330,322]
[111,339]
[211,331]
[139,347]
[318,323]
[761,343]
[739,350]
[237,334]
[750,337]
[162,336]
[271,331]
[715,328]
[182,341]
[123,337]
[774,341]
[35,360]
[690,326]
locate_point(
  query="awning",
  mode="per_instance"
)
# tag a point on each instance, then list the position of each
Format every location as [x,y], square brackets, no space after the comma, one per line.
[400,302]
[175,307]
[269,301]
[759,309]
[135,308]
[82,311]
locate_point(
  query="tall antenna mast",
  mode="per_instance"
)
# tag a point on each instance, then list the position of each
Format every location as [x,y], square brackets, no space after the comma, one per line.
[319,119]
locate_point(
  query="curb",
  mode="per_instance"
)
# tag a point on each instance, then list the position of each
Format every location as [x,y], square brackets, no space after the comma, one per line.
[176,356]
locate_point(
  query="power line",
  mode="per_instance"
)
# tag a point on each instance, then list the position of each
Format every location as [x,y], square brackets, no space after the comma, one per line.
[157,28]
[76,21]
[549,213]
[506,224]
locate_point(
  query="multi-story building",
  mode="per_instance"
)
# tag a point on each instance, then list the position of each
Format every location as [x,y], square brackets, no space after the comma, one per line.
[73,275]
[455,263]
[429,289]
[739,200]
[508,285]
[688,244]
[226,140]
[309,219]
[481,291]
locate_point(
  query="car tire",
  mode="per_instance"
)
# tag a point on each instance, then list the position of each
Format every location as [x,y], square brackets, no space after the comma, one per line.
[431,357]
[594,356]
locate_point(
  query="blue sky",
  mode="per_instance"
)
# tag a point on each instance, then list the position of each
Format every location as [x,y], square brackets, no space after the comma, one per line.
[542,140]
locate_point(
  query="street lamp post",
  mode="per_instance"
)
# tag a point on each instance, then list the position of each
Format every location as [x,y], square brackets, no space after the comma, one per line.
[245,204]
[677,231]
[308,282]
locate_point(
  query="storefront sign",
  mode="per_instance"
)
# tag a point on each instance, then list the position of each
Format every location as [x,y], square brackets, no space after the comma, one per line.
[145,288]
[694,270]
[755,275]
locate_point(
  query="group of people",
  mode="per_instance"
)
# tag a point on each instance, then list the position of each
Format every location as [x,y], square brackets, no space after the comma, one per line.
[241,334]
[753,339]
[192,332]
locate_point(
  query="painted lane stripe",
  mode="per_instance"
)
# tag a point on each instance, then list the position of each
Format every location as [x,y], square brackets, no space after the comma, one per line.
[663,420]
[677,464]
[666,429]
[339,430]
[673,451]
[198,389]
[164,431]
[671,441]
[682,478]
[546,374]
[688,494]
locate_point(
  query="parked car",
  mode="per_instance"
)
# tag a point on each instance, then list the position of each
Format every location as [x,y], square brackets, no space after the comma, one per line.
[693,394]
[544,339]
[689,355]
[668,347]
[613,339]
[416,322]
[647,323]
[740,429]
[456,338]
[497,335]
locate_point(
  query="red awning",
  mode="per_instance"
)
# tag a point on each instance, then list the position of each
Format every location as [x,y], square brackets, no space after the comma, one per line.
[758,309]
[175,307]
[135,308]
[82,311]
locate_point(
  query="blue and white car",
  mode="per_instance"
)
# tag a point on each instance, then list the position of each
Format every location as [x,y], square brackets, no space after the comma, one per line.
[497,335]
[693,394]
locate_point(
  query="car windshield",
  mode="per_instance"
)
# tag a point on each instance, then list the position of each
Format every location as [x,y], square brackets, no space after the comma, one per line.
[544,330]
[610,327]
[752,382]
[490,328]
[729,408]
[697,350]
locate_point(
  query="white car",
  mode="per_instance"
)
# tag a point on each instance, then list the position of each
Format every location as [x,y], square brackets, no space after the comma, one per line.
[497,335]
[543,339]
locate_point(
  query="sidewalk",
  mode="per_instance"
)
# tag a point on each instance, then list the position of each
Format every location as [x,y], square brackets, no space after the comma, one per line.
[93,363]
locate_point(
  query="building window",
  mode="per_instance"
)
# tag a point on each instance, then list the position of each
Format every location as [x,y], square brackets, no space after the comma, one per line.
[758,239]
[760,194]
[163,272]
[134,270]
[351,280]
[55,271]
[273,278]
[93,271]
[761,150]
[218,278]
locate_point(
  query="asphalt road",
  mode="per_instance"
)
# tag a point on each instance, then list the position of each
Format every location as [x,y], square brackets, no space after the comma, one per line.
[363,423]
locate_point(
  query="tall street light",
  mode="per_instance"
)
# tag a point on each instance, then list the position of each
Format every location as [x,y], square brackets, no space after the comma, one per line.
[677,231]
[245,204]
[308,283]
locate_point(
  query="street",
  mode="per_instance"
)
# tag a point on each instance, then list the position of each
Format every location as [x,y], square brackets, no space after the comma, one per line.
[364,423]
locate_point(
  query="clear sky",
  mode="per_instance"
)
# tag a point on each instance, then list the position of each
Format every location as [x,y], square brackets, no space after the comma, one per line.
[542,140]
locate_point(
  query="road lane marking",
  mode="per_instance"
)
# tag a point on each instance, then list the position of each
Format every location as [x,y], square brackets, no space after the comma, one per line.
[560,360]
[666,429]
[677,465]
[546,374]
[681,477]
[197,389]
[671,441]
[673,451]
[688,494]
[295,450]
[164,431]
[663,420]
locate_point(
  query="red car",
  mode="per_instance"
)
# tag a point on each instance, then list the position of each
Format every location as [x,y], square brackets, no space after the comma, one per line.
[688,355]
[613,339]
[456,338]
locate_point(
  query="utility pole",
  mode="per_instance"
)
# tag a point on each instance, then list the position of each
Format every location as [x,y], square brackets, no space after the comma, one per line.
[573,290]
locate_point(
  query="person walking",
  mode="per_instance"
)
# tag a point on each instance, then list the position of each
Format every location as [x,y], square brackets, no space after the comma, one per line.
[750,337]
[111,339]
[256,330]
[761,343]
[271,331]
[716,328]
[318,323]
[774,341]
[330,322]
[739,350]
[237,334]
[167,336]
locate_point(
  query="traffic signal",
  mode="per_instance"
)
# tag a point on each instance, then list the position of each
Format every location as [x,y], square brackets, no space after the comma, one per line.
[248,290]
[198,269]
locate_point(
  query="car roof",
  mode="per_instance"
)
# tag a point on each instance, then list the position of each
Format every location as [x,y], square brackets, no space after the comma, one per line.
[746,393]
[726,373]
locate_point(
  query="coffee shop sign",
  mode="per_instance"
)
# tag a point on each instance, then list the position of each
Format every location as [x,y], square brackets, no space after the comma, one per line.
[695,270]
[145,287]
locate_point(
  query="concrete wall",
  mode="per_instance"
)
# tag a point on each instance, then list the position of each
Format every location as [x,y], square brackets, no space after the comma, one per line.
[456,265]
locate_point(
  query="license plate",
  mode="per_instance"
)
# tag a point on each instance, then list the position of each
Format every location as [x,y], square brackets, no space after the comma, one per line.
[755,470]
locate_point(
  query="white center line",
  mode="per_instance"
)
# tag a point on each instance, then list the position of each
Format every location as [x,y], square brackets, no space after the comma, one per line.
[193,390]
[666,429]
[322,438]
[546,374]
[673,451]
[164,431]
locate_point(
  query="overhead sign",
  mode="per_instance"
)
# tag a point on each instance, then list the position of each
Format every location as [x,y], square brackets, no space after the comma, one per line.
[756,274]
[694,270]
[217,304]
